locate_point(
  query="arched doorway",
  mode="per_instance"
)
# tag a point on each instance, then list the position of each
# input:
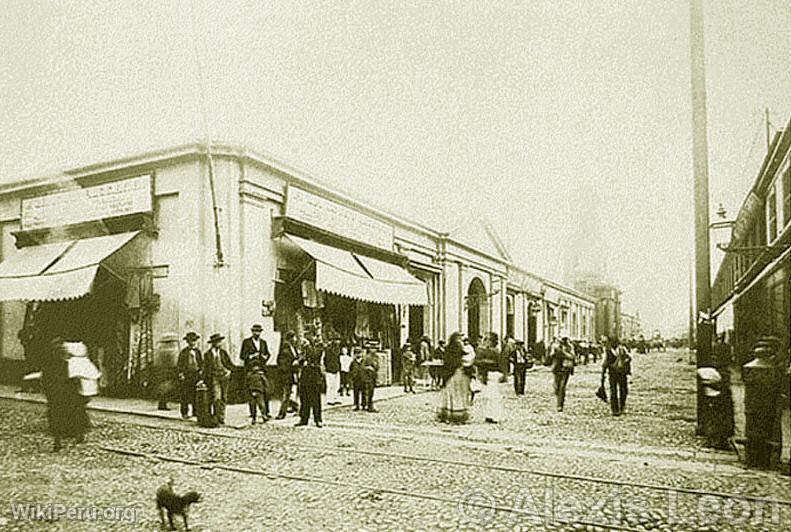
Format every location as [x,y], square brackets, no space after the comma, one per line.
[477,309]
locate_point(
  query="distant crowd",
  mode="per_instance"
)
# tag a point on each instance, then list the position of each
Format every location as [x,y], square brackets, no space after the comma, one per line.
[468,370]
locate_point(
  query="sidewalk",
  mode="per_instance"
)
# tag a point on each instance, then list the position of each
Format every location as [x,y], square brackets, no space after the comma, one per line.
[236,416]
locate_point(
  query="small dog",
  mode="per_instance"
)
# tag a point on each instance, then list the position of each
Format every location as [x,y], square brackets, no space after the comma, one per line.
[167,500]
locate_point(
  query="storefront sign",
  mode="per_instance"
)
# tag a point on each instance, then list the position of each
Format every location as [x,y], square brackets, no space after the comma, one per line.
[128,196]
[336,218]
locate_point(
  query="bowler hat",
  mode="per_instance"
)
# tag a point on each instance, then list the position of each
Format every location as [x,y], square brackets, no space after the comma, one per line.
[257,328]
[191,336]
[216,337]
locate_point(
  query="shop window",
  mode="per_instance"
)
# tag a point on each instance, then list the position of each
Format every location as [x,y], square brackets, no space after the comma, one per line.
[771,216]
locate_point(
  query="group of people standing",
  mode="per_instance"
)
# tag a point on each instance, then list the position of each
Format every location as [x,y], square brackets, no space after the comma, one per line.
[314,366]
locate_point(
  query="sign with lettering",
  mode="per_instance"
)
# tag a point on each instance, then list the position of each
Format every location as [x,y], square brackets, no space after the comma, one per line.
[336,218]
[118,198]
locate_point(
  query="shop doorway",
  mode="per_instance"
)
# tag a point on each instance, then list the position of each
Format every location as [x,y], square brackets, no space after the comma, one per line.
[100,320]
[477,310]
[415,323]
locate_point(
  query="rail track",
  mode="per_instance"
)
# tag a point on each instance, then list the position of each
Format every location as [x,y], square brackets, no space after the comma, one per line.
[556,480]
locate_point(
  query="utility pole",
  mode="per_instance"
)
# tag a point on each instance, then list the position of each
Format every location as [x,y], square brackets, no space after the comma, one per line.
[219,259]
[700,161]
[768,130]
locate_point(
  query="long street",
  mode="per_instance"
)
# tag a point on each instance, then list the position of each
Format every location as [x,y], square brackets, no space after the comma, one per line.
[400,469]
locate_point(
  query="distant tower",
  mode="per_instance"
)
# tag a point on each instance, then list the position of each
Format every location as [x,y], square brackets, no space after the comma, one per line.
[585,256]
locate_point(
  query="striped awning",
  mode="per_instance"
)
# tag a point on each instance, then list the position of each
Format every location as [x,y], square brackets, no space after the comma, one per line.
[355,276]
[51,272]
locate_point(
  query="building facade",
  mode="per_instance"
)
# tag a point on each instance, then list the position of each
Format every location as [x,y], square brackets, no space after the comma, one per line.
[630,326]
[121,253]
[750,294]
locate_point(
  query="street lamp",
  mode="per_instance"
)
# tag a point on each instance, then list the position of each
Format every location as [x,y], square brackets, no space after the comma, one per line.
[723,229]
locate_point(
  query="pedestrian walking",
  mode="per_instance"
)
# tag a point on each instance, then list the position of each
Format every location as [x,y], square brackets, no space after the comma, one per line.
[408,363]
[422,355]
[254,355]
[370,373]
[541,352]
[437,361]
[189,364]
[562,361]
[346,364]
[618,364]
[287,357]
[66,412]
[521,362]
[488,360]
[165,371]
[454,406]
[357,376]
[216,373]
[311,384]
[509,345]
[332,365]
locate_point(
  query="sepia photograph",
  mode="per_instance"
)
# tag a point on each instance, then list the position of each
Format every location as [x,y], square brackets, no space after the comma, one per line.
[410,265]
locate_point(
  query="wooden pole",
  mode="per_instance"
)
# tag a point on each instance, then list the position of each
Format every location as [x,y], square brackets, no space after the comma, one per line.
[701,194]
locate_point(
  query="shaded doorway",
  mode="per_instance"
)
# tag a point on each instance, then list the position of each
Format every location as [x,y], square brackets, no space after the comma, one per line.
[477,310]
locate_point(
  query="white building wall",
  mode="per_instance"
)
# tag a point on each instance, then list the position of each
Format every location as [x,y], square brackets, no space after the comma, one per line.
[12,313]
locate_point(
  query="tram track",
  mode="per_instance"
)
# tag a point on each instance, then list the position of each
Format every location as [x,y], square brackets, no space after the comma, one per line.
[412,494]
[281,455]
[477,465]
[448,481]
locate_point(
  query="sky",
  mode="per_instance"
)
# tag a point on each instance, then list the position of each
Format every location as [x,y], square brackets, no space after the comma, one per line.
[538,115]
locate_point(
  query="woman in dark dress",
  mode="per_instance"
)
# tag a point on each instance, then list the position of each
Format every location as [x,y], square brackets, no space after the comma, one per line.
[65,406]
[455,396]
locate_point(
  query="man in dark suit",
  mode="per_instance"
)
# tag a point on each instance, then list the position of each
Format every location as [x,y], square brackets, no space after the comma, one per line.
[255,353]
[189,366]
[286,357]
[216,372]
[311,383]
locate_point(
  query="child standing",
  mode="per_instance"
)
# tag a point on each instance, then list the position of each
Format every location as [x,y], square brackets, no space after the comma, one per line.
[346,364]
[408,361]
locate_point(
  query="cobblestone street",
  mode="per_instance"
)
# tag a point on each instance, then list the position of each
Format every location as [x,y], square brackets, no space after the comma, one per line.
[400,469]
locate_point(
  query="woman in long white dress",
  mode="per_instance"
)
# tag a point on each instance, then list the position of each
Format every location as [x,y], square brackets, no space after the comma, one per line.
[489,365]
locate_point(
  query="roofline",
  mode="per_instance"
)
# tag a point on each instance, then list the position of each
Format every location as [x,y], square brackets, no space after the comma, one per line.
[554,284]
[220,149]
[229,149]
[781,137]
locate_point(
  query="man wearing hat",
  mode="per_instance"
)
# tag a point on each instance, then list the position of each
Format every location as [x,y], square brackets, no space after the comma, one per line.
[189,365]
[255,354]
[519,359]
[216,374]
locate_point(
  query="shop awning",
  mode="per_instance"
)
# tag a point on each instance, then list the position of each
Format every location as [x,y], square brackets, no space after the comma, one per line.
[51,272]
[342,273]
[399,285]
